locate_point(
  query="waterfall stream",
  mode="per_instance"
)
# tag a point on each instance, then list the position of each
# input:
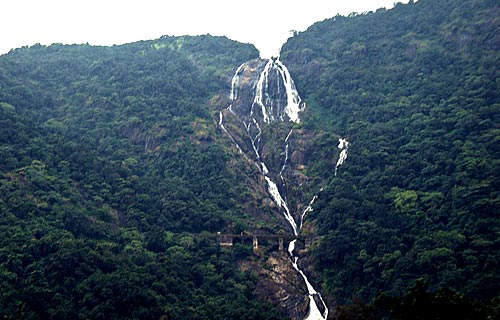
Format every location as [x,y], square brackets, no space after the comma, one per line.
[263,93]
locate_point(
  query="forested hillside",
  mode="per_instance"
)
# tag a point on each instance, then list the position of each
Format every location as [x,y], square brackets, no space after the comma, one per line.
[108,166]
[416,91]
[115,176]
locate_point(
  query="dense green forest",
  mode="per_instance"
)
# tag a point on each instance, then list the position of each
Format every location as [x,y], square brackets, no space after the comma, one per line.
[114,175]
[416,90]
[108,166]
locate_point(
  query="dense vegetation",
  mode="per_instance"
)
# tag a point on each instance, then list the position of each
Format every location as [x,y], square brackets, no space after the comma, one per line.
[416,91]
[108,165]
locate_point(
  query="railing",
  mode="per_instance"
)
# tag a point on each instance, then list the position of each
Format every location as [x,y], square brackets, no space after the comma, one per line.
[227,240]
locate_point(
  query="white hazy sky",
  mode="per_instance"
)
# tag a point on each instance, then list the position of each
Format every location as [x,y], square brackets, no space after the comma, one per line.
[265,23]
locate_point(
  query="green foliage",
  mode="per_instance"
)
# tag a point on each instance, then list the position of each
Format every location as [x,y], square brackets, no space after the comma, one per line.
[419,303]
[108,157]
[110,163]
[415,90]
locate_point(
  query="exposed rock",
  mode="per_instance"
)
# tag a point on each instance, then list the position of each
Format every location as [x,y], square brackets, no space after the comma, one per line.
[279,283]
[261,124]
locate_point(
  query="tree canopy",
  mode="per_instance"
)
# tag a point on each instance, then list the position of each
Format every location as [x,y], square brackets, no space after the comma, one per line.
[416,91]
[112,167]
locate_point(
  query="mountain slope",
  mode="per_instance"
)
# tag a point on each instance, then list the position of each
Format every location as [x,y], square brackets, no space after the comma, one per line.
[110,171]
[116,173]
[415,90]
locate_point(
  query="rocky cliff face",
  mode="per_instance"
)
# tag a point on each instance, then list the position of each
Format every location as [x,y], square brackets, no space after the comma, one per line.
[279,283]
[261,122]
[263,91]
[263,110]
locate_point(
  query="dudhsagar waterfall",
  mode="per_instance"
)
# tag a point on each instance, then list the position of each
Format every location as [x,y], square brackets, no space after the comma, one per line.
[264,108]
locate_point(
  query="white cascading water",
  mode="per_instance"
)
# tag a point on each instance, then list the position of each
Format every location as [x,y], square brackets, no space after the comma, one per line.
[265,109]
[343,145]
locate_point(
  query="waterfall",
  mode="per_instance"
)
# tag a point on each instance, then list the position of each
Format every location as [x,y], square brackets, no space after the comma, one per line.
[343,145]
[262,96]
